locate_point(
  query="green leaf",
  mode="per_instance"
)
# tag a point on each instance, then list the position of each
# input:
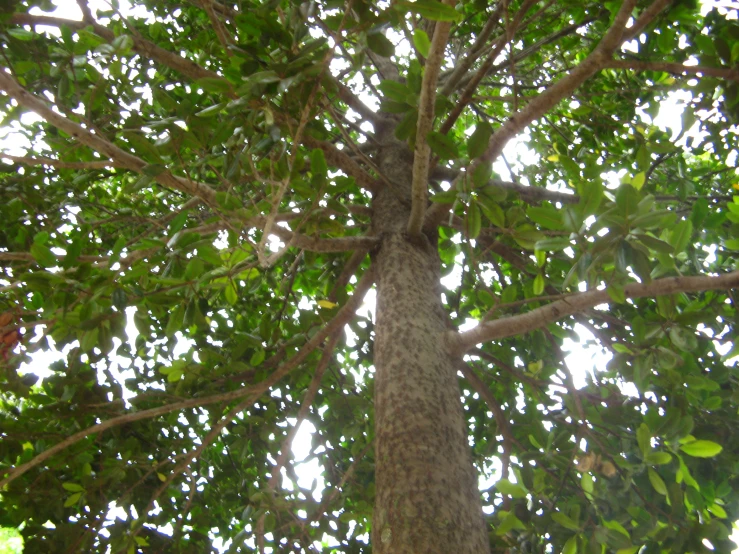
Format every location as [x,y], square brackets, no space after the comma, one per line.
[318,163]
[644,438]
[481,174]
[380,44]
[507,488]
[638,180]
[73,487]
[570,547]
[395,91]
[657,483]
[553,244]
[477,144]
[702,449]
[493,212]
[213,84]
[565,521]
[72,499]
[680,235]
[683,338]
[421,42]
[658,458]
[21,34]
[430,9]
[43,255]
[152,170]
[616,293]
[546,216]
[539,284]
[442,146]
[211,111]
[258,357]
[654,243]
[473,221]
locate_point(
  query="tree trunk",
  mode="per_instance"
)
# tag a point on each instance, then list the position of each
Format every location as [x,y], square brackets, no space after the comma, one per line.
[427,496]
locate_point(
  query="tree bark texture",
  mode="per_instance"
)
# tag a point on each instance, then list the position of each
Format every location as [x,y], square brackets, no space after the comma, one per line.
[427,499]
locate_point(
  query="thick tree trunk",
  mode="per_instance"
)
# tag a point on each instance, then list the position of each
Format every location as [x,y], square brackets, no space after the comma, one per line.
[427,496]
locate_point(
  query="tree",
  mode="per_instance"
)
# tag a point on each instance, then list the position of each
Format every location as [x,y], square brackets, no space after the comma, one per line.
[236,176]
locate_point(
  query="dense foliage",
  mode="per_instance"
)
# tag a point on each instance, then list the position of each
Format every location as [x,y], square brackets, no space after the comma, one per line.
[173,139]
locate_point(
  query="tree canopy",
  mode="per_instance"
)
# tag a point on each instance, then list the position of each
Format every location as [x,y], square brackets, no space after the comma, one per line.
[224,177]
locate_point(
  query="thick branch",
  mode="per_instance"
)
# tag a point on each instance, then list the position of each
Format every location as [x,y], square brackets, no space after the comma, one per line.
[539,317]
[141,46]
[419,188]
[98,143]
[345,313]
[677,68]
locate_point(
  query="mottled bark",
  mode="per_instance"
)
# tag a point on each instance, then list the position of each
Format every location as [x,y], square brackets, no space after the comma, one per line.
[427,495]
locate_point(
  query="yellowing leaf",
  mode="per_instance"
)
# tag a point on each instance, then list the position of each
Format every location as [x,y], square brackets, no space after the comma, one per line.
[553,158]
[327,304]
[162,477]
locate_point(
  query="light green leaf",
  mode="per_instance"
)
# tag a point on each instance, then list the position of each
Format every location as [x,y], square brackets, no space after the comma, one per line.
[565,521]
[702,449]
[515,490]
[421,42]
[657,482]
[72,499]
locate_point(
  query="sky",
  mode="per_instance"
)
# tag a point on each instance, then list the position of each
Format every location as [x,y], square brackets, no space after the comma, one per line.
[583,356]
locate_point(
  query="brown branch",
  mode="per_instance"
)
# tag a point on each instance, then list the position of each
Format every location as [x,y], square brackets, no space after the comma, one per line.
[217,25]
[421,158]
[345,313]
[97,142]
[483,70]
[563,88]
[540,317]
[59,164]
[474,52]
[645,18]
[347,273]
[316,244]
[501,420]
[677,68]
[341,160]
[141,46]
[310,395]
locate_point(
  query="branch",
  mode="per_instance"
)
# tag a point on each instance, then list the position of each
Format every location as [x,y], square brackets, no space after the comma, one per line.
[483,70]
[59,164]
[340,159]
[563,88]
[419,188]
[316,244]
[98,143]
[474,52]
[677,68]
[141,46]
[217,26]
[645,18]
[345,313]
[539,317]
[285,448]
